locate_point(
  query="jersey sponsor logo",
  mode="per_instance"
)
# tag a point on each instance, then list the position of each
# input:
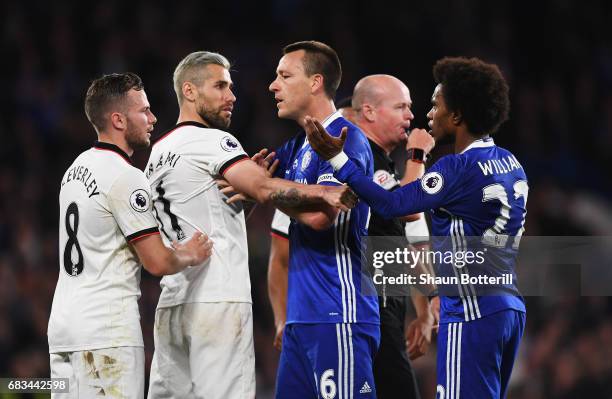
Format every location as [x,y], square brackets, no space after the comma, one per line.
[432,182]
[140,200]
[229,144]
[306,160]
[384,179]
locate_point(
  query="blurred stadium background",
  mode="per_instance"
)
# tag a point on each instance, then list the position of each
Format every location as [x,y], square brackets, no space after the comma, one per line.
[556,55]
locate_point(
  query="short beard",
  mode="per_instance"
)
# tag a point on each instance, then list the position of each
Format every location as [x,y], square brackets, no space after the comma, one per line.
[135,141]
[213,119]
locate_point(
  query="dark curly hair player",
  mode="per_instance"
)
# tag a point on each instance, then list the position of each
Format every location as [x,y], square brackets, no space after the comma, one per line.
[474,90]
[477,199]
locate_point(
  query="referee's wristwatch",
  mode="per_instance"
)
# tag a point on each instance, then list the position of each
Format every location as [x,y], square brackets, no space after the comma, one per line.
[417,155]
[432,294]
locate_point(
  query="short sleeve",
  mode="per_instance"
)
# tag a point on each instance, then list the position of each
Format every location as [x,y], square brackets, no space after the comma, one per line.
[224,152]
[280,224]
[130,202]
[438,186]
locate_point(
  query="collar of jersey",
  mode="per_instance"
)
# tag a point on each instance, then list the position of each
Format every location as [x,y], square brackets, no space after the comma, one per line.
[480,143]
[190,123]
[175,127]
[101,145]
[328,121]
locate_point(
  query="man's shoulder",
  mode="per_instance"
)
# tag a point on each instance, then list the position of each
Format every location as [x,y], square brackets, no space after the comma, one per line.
[195,139]
[190,131]
[336,126]
[108,163]
[100,170]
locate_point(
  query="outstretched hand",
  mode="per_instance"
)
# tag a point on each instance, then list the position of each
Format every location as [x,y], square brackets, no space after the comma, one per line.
[321,141]
[266,162]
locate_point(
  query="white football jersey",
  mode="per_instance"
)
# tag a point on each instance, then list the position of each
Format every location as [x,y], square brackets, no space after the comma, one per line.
[105,204]
[182,169]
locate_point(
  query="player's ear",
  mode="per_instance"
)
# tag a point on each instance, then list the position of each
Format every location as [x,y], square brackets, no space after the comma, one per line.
[369,112]
[190,91]
[118,120]
[316,83]
[456,118]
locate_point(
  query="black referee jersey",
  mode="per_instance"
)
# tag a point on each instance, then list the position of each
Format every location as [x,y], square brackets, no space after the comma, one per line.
[393,374]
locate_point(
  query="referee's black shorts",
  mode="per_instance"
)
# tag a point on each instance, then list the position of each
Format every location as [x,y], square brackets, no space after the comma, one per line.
[393,373]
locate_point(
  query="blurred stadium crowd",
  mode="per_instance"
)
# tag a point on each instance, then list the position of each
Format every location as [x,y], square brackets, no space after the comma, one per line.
[556,55]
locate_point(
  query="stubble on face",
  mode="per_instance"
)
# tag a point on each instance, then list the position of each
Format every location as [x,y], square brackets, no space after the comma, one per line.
[213,117]
[138,127]
[136,138]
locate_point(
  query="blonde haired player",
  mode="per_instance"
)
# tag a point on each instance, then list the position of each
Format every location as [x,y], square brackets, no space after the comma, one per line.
[203,323]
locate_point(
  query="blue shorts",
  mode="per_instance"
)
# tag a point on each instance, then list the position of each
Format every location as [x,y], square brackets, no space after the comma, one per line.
[327,361]
[475,358]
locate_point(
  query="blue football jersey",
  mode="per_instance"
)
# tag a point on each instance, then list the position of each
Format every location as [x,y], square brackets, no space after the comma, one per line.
[481,192]
[325,276]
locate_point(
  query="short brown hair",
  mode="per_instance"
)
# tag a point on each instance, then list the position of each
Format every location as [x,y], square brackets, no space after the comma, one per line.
[106,91]
[321,59]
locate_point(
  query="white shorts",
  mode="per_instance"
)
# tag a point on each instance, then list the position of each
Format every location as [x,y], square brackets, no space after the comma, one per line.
[112,372]
[203,350]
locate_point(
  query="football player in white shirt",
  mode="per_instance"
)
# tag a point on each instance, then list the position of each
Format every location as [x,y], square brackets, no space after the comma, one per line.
[203,323]
[107,228]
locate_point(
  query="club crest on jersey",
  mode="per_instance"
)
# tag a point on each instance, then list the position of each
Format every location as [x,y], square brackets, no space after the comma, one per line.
[140,200]
[432,182]
[306,160]
[229,144]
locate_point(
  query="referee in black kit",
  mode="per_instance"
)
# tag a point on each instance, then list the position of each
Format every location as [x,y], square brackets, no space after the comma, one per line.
[381,109]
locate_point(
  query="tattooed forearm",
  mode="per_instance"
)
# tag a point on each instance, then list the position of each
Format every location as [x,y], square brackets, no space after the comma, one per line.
[290,198]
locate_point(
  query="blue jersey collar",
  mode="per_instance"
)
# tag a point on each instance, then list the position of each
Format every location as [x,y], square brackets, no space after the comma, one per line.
[480,143]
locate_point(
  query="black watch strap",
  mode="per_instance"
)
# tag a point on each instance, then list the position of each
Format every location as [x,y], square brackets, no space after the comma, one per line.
[434,293]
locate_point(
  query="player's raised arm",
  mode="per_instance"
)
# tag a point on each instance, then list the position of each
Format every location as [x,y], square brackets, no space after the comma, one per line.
[249,178]
[405,200]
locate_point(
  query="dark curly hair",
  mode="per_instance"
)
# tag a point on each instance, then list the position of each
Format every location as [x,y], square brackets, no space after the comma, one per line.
[475,89]
[107,91]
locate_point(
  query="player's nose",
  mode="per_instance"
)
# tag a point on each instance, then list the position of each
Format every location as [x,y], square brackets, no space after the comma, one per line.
[232,97]
[273,86]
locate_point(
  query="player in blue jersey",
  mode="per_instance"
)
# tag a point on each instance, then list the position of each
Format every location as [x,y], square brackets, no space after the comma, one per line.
[332,327]
[480,191]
